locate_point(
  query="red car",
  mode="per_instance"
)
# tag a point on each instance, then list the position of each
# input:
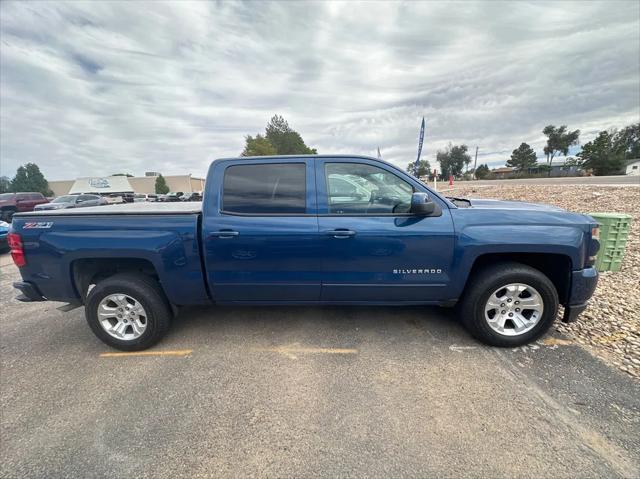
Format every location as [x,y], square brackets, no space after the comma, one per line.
[11,203]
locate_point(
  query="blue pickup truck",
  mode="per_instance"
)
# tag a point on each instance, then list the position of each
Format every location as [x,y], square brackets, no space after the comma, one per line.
[306,230]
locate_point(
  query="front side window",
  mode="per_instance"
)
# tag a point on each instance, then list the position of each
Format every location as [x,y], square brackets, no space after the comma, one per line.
[358,188]
[265,188]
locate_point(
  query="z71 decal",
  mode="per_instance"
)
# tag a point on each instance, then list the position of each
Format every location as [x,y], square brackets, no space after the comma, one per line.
[38,225]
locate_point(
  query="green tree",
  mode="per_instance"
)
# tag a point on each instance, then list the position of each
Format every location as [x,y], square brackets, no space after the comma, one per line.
[544,168]
[522,158]
[258,146]
[423,169]
[453,160]
[627,141]
[573,161]
[286,140]
[482,171]
[161,185]
[559,140]
[5,184]
[30,178]
[602,154]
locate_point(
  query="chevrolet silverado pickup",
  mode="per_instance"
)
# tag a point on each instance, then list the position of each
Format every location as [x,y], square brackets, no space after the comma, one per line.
[305,230]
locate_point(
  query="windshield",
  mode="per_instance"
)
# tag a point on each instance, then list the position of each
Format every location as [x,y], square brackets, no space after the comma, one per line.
[65,199]
[6,196]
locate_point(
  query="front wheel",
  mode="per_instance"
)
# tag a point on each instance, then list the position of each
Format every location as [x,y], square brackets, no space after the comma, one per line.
[509,305]
[128,311]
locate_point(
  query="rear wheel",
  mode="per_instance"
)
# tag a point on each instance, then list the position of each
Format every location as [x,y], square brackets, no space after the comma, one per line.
[509,305]
[128,311]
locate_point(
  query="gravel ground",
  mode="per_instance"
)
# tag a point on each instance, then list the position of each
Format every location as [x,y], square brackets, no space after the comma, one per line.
[610,327]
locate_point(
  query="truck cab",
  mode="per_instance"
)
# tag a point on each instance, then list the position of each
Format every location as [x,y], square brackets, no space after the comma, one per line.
[322,229]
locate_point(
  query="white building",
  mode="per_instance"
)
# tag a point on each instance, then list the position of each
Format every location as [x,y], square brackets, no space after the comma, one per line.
[633,167]
[124,184]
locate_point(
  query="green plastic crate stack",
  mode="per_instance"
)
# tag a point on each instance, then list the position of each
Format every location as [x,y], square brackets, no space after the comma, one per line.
[614,231]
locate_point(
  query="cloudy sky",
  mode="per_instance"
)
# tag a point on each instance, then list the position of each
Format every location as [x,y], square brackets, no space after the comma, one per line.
[98,88]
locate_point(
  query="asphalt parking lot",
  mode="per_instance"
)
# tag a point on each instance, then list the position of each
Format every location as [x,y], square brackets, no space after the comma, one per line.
[305,392]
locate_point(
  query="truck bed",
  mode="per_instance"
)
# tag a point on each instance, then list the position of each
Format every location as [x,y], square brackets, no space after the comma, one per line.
[125,209]
[64,246]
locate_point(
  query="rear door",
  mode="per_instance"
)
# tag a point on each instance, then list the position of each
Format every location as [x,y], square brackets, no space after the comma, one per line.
[374,250]
[260,231]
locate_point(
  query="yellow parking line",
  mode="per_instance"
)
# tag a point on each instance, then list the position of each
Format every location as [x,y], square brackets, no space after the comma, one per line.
[177,352]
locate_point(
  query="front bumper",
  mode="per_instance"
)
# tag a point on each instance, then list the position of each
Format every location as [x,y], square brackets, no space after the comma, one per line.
[583,285]
[28,292]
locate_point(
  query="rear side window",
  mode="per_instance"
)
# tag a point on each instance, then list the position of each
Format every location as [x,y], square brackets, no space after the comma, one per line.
[265,188]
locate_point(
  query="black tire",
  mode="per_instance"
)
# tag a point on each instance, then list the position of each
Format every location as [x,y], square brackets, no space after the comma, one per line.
[485,282]
[143,289]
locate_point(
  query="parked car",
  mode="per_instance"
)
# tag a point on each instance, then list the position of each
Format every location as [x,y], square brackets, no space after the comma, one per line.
[11,203]
[72,201]
[142,197]
[4,230]
[173,196]
[195,196]
[275,230]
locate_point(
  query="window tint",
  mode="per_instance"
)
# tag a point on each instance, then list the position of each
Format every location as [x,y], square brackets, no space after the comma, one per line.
[265,188]
[357,188]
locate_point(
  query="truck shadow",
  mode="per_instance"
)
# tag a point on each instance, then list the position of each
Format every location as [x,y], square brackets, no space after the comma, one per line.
[339,324]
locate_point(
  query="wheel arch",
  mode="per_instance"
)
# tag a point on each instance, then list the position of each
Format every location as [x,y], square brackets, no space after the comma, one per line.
[86,272]
[556,267]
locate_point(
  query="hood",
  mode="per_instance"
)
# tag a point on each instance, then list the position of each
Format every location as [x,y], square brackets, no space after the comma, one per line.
[510,205]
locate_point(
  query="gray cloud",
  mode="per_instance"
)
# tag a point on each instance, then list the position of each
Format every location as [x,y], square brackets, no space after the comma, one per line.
[97,88]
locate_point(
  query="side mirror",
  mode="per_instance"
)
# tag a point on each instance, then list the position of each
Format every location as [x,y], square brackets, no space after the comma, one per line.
[422,205]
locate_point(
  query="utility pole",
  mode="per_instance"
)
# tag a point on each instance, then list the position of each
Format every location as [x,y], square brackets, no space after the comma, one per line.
[475,165]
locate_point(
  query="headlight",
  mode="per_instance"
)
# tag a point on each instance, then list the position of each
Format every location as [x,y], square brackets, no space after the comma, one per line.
[594,245]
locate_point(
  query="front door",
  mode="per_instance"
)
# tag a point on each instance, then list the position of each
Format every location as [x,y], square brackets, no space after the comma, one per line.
[260,231]
[374,249]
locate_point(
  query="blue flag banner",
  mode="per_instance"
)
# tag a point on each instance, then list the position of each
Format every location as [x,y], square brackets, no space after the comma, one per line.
[420,141]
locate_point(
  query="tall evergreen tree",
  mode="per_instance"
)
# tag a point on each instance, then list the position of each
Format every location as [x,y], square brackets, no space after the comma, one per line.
[286,140]
[522,158]
[161,185]
[602,154]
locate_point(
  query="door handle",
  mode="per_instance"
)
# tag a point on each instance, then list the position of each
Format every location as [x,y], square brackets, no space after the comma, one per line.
[341,233]
[223,234]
